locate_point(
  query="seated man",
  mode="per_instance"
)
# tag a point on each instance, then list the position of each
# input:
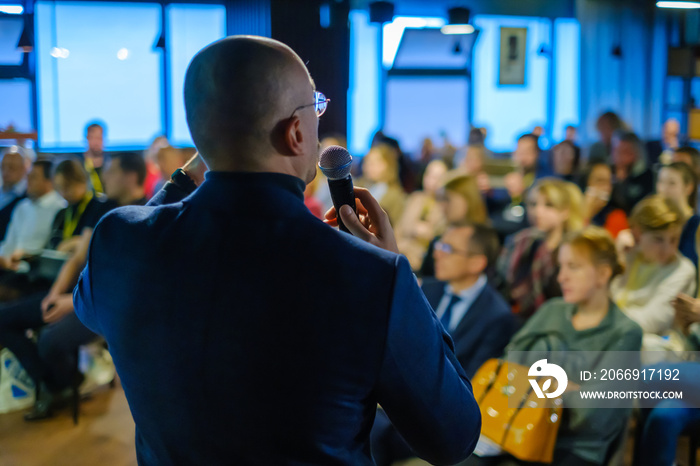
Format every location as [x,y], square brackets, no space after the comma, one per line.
[477,318]
[13,169]
[51,361]
[30,225]
[633,180]
[83,211]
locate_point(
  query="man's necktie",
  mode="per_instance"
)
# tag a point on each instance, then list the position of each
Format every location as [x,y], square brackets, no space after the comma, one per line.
[447,315]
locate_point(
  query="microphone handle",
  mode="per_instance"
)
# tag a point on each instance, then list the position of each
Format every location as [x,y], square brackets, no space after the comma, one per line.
[342,193]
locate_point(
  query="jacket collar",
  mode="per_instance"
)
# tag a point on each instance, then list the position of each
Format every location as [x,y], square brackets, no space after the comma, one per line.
[223,185]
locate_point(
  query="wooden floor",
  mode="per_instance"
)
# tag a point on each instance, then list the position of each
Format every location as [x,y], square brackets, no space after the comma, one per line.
[104,435]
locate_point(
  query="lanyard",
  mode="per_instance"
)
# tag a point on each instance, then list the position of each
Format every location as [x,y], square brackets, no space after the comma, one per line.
[70,222]
[94,177]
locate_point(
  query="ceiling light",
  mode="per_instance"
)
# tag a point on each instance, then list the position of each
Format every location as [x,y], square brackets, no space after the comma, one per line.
[678,4]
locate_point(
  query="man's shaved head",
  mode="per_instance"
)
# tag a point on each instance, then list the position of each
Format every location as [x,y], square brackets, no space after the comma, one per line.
[236,91]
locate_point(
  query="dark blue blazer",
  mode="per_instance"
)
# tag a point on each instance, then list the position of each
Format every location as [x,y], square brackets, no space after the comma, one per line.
[246,331]
[485,329]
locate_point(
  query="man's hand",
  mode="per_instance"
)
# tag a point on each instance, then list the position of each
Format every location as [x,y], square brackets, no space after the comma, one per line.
[69,245]
[48,301]
[61,307]
[196,168]
[372,225]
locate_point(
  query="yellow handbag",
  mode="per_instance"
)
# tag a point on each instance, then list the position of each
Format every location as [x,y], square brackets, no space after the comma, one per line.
[526,433]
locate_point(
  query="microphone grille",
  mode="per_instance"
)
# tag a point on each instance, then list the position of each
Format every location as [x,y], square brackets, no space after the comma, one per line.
[335,162]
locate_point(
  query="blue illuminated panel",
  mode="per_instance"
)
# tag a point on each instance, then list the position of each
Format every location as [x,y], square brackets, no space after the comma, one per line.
[190,28]
[363,92]
[510,110]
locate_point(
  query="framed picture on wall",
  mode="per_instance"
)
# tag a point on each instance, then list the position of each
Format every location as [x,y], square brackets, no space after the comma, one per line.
[511,69]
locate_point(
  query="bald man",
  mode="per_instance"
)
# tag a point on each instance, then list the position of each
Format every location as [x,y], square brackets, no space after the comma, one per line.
[245,330]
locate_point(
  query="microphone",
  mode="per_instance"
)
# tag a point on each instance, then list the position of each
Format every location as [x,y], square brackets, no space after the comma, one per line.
[335,163]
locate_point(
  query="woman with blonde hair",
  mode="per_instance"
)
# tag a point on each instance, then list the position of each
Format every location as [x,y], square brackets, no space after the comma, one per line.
[423,217]
[587,321]
[380,169]
[461,203]
[656,271]
[527,264]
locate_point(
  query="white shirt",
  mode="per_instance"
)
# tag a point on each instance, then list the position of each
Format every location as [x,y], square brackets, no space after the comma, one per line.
[30,224]
[459,310]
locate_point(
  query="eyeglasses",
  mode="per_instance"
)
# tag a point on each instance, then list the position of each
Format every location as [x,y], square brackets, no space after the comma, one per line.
[448,249]
[320,104]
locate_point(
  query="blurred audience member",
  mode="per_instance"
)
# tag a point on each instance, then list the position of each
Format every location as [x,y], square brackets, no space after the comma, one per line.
[477,137]
[473,161]
[608,123]
[597,207]
[84,207]
[408,173]
[565,160]
[474,314]
[475,142]
[527,264]
[661,151]
[670,418]
[427,153]
[94,157]
[688,155]
[153,174]
[30,227]
[461,202]
[423,217]
[633,180]
[381,176]
[571,134]
[124,177]
[691,157]
[656,271]
[586,320]
[13,169]
[169,159]
[448,150]
[507,206]
[677,182]
[50,361]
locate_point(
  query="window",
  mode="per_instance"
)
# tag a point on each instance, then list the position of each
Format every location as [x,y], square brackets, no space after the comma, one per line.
[97,61]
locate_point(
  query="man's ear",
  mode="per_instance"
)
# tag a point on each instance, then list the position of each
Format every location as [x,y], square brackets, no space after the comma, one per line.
[293,137]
